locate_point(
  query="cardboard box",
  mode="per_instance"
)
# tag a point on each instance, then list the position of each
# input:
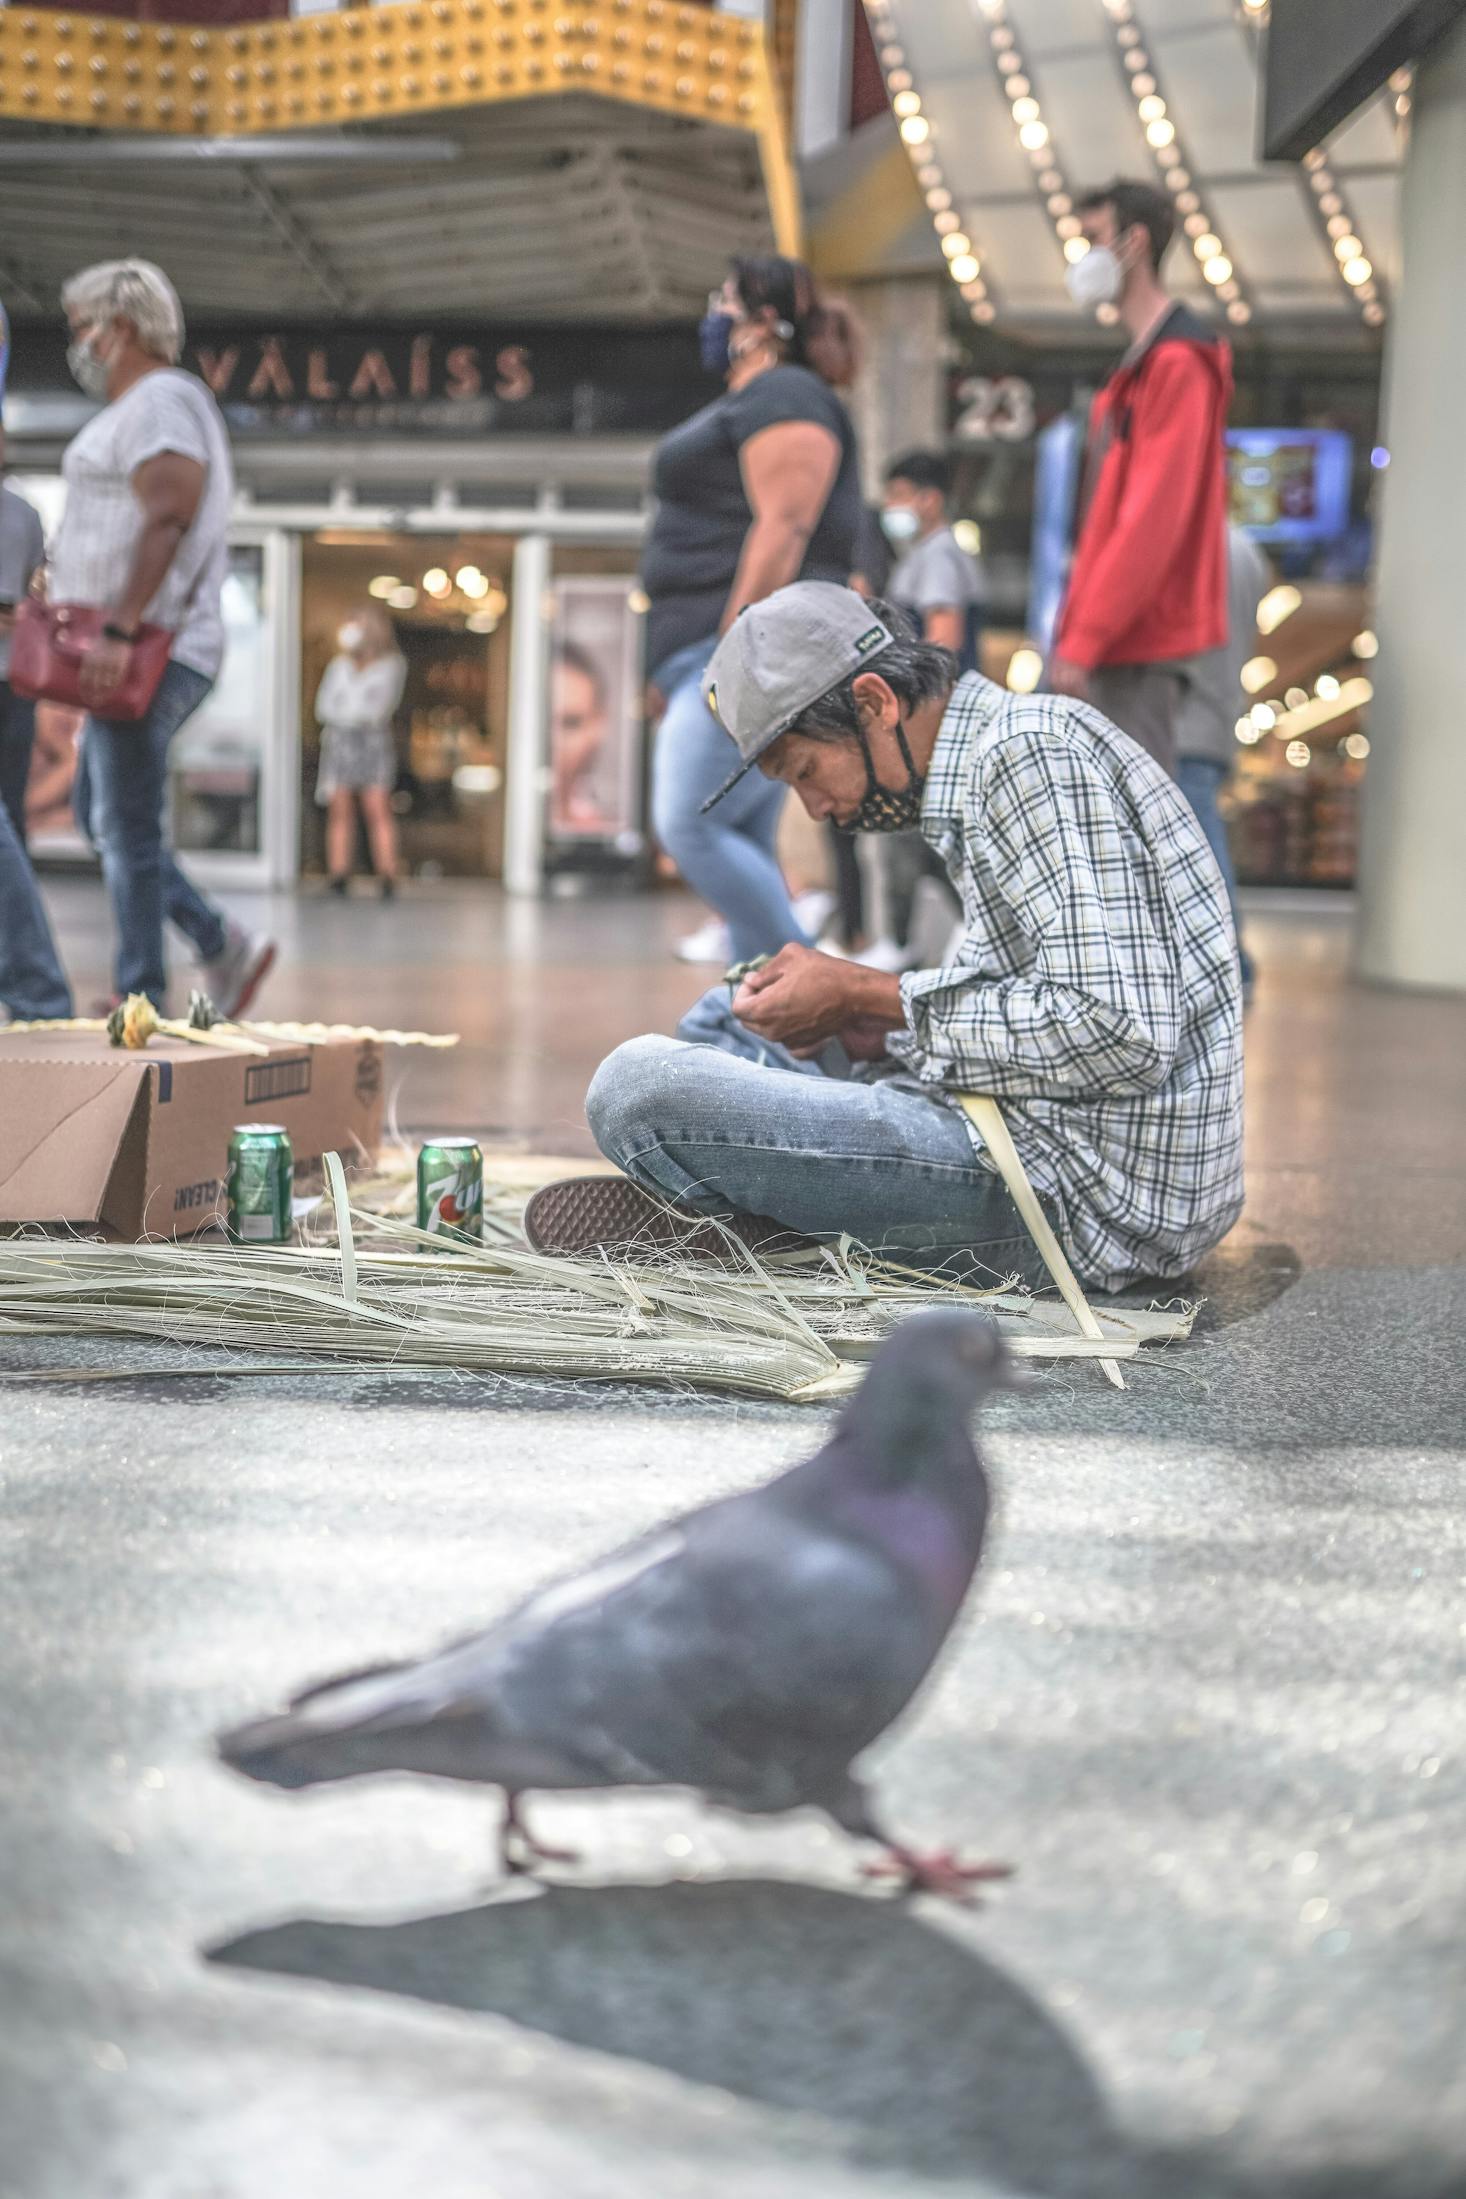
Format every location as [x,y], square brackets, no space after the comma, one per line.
[138,1143]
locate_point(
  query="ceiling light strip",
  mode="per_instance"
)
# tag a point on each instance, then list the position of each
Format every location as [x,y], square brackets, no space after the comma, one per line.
[1035,139]
[1138,69]
[1337,226]
[964,264]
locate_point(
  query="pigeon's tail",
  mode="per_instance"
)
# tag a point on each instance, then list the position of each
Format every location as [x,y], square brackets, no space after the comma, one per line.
[327,1733]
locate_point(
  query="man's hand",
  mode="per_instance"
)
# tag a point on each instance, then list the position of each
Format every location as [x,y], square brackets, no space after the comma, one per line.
[803,998]
[103,669]
[1063,677]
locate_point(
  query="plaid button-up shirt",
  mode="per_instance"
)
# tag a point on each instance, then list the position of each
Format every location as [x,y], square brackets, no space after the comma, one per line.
[1095,990]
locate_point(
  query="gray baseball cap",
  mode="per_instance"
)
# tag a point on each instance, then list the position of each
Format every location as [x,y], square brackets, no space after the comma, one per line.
[779,656]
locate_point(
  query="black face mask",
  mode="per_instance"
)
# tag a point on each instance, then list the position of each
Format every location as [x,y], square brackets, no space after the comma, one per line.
[884,810]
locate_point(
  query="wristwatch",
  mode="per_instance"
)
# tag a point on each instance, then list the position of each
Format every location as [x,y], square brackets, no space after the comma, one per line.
[114,632]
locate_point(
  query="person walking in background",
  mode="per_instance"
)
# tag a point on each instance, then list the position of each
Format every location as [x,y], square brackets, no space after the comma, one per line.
[939,586]
[32,982]
[1148,584]
[149,485]
[759,488]
[936,582]
[1206,724]
[22,556]
[355,703]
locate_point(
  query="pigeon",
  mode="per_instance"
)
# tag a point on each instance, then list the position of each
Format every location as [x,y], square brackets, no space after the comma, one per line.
[750,1650]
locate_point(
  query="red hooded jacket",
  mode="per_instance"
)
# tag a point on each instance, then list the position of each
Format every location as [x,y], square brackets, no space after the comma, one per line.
[1149,577]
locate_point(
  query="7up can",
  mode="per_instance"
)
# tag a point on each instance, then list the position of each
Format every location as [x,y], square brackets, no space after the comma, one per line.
[450,1189]
[261,1184]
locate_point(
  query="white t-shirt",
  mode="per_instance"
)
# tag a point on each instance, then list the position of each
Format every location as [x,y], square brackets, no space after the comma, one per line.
[352,694]
[166,410]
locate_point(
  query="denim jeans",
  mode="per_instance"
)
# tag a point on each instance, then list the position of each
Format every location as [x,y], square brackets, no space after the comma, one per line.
[719,1119]
[32,982]
[17,739]
[122,787]
[728,856]
[1201,779]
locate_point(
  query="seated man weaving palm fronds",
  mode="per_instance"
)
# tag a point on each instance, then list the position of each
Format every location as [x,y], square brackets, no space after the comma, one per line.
[1093,991]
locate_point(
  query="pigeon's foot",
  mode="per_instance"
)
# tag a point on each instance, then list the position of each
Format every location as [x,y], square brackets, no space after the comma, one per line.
[940,1873]
[519,1851]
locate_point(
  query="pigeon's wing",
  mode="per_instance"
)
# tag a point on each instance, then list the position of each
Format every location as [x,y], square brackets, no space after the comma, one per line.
[743,1651]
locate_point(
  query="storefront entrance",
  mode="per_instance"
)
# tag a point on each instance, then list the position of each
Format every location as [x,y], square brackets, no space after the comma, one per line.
[447,598]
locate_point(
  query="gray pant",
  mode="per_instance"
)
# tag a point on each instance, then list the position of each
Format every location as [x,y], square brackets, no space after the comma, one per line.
[1143,700]
[718,1118]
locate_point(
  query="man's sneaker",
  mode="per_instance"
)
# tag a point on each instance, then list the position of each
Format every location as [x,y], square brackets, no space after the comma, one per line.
[585,1215]
[711,942]
[232,978]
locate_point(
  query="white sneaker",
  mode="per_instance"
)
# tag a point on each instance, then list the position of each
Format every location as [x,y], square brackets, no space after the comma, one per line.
[813,910]
[884,954]
[233,978]
[712,942]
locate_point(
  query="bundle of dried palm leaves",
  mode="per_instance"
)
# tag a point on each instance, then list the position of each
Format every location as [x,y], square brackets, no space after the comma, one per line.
[369,1289]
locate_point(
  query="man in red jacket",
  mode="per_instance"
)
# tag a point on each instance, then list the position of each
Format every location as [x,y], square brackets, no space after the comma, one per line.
[1148,585]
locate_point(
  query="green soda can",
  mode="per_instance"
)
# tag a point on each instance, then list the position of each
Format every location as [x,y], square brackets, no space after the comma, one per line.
[450,1189]
[261,1184]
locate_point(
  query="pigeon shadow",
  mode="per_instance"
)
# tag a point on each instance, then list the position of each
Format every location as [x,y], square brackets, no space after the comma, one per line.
[923,2053]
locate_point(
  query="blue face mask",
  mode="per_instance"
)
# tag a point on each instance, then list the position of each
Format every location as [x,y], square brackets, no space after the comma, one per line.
[714,333]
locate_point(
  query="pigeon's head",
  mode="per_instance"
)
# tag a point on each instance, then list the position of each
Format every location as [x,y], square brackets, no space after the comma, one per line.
[926,1380]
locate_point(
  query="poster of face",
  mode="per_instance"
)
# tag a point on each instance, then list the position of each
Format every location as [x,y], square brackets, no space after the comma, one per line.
[595,710]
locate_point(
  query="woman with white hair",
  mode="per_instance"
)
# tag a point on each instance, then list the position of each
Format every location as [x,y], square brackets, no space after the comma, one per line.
[149,483]
[355,704]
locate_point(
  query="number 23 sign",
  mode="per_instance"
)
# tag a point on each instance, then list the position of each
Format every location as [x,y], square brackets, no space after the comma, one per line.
[989,410]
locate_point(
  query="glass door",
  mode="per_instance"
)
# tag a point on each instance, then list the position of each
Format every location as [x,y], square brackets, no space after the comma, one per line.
[234,765]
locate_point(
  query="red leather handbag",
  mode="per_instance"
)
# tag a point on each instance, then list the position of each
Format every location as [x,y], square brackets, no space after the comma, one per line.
[51,642]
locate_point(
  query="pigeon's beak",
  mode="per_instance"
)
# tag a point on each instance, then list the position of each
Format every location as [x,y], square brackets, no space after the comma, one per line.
[1015,1376]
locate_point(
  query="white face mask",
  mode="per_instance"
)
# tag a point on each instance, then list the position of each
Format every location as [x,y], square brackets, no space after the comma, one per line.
[87,370]
[352,634]
[1097,279]
[900,524]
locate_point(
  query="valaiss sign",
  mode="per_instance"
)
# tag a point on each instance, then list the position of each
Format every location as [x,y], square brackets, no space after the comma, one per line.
[303,378]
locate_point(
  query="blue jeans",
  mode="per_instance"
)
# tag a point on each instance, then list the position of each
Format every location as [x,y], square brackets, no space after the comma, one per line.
[17,739]
[719,1119]
[32,982]
[1201,780]
[728,856]
[122,786]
